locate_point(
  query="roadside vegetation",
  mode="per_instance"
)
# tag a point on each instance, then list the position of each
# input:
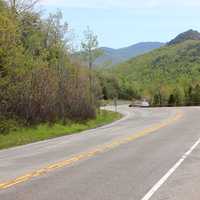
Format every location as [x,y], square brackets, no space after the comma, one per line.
[24,135]
[44,91]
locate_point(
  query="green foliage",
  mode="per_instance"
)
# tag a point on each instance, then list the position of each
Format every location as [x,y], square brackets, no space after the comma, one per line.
[21,136]
[38,81]
[8,125]
[169,75]
[90,51]
[115,86]
[109,85]
[193,97]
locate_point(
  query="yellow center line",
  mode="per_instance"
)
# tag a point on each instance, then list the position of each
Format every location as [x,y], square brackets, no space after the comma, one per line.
[100,149]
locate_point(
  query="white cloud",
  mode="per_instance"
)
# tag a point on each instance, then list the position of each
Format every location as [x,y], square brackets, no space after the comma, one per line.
[121,3]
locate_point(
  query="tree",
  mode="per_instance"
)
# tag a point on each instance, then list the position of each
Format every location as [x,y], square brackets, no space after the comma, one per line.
[109,84]
[90,52]
[171,101]
[89,46]
[20,6]
[179,96]
[196,95]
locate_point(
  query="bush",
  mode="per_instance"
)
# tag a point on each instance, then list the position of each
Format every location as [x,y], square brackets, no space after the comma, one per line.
[7,125]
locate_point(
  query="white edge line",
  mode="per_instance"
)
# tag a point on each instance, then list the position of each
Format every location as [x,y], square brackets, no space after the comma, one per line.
[170,172]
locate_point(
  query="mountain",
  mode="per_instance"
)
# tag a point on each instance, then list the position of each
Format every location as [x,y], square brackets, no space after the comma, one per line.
[168,74]
[188,35]
[115,56]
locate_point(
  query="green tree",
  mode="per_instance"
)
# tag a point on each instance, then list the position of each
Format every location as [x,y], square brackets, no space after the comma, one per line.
[90,53]
[196,95]
[179,96]
[172,100]
[89,45]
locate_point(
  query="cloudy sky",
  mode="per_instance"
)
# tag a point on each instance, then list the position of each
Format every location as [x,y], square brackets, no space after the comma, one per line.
[120,23]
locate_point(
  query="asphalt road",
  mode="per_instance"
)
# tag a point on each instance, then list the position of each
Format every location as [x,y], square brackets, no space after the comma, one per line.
[151,153]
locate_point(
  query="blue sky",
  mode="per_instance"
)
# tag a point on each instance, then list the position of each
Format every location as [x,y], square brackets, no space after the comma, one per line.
[120,23]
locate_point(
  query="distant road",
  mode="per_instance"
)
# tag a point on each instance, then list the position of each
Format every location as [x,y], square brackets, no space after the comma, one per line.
[151,153]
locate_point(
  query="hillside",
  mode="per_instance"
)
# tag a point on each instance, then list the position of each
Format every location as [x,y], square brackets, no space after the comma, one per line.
[163,73]
[179,58]
[188,35]
[116,56]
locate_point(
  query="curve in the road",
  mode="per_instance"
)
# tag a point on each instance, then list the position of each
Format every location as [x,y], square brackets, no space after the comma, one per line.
[85,155]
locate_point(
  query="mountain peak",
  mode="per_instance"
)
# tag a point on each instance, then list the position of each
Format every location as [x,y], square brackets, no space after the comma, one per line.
[188,35]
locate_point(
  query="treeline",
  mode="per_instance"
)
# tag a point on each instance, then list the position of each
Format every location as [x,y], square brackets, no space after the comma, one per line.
[169,76]
[178,97]
[115,87]
[164,94]
[39,82]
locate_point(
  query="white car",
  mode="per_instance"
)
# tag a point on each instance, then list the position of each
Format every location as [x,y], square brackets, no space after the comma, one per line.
[142,104]
[145,104]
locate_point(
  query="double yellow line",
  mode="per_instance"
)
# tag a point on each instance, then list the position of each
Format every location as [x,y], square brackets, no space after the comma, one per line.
[100,149]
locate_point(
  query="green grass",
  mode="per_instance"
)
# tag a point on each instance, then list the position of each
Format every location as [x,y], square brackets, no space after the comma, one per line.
[44,131]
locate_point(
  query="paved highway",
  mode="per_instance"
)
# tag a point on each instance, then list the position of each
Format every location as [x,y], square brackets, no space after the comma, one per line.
[151,153]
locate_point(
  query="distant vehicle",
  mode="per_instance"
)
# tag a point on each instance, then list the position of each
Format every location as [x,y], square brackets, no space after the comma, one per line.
[142,104]
[145,104]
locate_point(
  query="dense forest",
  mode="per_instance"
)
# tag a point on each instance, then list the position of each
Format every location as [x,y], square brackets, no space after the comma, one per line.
[169,76]
[39,81]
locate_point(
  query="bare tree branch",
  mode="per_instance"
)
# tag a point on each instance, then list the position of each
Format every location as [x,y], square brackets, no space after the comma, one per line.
[22,5]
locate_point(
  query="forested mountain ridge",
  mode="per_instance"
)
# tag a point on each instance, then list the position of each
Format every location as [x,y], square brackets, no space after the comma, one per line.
[188,35]
[169,75]
[115,56]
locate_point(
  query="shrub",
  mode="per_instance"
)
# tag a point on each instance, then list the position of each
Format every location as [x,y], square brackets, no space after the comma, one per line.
[7,125]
